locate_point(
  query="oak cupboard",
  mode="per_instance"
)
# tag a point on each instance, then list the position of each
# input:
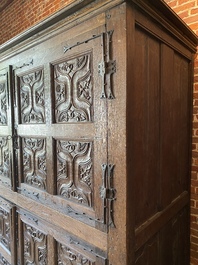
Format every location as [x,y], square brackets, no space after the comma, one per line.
[95,126]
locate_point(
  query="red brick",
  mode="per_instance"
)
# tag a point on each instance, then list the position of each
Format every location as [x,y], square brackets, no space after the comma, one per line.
[181,2]
[172,3]
[193,261]
[184,7]
[30,12]
[194,11]
[191,19]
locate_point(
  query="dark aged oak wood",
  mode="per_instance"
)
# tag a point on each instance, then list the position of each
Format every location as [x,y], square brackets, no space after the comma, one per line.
[95,125]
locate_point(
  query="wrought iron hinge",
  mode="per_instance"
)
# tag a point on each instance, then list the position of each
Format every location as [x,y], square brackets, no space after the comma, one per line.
[107,193]
[107,67]
[15,138]
[24,64]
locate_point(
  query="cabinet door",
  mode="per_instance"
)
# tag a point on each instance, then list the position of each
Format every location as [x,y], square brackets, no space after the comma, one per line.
[6,129]
[7,232]
[61,125]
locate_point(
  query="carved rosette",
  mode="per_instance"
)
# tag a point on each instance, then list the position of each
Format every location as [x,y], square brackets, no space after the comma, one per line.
[74,171]
[35,246]
[68,256]
[34,162]
[73,90]
[5,228]
[32,98]
[3,104]
[4,158]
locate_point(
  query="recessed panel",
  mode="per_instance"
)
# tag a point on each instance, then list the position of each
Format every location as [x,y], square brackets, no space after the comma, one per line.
[34,162]
[73,89]
[75,171]
[3,103]
[32,97]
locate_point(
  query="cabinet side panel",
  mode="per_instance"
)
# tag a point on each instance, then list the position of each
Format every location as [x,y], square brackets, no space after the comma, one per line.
[159,114]
[145,126]
[174,125]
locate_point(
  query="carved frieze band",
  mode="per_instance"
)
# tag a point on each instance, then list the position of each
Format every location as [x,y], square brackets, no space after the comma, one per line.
[4,157]
[34,162]
[66,255]
[5,226]
[73,86]
[3,104]
[32,98]
[35,246]
[74,171]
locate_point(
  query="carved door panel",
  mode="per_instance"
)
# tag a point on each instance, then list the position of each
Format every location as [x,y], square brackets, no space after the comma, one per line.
[6,129]
[7,233]
[61,124]
[43,243]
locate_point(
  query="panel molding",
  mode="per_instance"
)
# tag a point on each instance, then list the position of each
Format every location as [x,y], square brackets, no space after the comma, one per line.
[156,222]
[75,227]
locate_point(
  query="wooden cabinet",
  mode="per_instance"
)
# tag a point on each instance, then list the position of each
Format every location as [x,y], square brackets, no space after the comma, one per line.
[95,126]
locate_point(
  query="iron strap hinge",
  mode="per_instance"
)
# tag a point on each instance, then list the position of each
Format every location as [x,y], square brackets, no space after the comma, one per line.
[107,67]
[107,193]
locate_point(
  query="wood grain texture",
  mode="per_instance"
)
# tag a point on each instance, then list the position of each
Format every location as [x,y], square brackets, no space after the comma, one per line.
[69,224]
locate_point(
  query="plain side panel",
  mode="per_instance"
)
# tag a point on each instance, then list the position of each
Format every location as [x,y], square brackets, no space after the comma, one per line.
[174,246]
[184,126]
[149,253]
[168,119]
[174,125]
[145,126]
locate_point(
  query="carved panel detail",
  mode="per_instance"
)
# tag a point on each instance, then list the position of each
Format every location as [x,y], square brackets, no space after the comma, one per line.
[3,104]
[34,162]
[4,158]
[32,98]
[35,246]
[68,256]
[5,228]
[74,171]
[3,261]
[73,90]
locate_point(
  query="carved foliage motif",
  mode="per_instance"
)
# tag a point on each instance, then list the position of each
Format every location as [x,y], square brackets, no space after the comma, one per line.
[4,158]
[67,256]
[3,104]
[32,97]
[5,228]
[34,162]
[3,261]
[73,90]
[74,171]
[35,246]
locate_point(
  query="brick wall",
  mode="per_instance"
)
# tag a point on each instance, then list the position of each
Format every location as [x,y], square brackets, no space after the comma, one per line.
[21,14]
[188,11]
